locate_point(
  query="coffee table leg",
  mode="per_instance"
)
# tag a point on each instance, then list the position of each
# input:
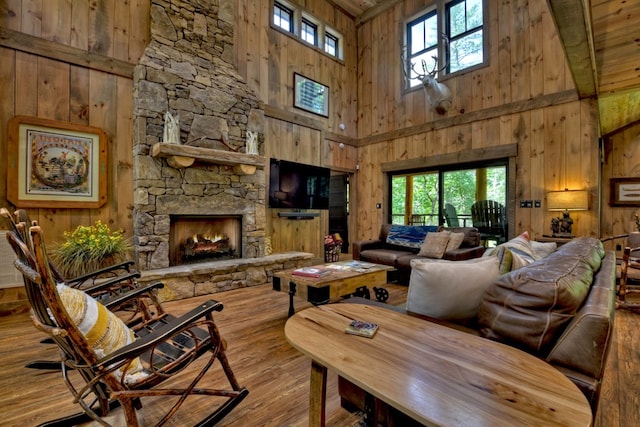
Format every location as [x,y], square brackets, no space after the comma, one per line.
[317,395]
[292,292]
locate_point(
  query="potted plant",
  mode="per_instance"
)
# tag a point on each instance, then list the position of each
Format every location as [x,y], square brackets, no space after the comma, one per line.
[89,248]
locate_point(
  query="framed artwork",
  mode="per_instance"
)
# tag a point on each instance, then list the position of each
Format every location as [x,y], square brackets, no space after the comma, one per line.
[53,164]
[625,192]
[310,95]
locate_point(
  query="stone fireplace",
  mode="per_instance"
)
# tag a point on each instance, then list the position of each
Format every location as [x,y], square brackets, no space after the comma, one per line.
[204,238]
[187,70]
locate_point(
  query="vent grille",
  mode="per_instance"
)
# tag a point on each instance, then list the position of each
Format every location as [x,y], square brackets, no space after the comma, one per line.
[9,276]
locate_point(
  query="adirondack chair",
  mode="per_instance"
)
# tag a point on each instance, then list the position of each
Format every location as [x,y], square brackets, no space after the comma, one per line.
[109,377]
[451,216]
[490,218]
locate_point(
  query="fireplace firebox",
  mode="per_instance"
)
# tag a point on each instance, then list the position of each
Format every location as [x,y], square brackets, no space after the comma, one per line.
[201,238]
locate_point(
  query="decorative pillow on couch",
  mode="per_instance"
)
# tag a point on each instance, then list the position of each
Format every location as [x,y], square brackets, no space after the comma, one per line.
[103,330]
[449,290]
[410,236]
[521,252]
[435,244]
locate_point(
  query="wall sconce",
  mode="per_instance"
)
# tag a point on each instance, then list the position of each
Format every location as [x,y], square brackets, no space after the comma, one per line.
[567,200]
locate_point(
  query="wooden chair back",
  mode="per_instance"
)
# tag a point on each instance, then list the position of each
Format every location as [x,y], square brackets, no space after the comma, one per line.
[490,218]
[451,216]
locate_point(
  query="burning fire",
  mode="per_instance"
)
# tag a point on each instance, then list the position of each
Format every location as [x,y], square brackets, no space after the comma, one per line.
[208,238]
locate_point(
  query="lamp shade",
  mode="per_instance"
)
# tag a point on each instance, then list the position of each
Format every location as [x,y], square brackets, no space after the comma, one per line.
[568,200]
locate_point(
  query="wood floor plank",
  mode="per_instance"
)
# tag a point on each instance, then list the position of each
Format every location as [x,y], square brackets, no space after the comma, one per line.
[276,375]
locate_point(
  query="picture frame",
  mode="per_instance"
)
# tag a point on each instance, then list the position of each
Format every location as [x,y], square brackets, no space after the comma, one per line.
[624,192]
[310,95]
[55,164]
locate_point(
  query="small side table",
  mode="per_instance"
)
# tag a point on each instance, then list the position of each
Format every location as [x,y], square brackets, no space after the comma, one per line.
[557,240]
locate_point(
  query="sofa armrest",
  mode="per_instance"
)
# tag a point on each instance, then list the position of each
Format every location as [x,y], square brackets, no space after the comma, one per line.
[584,344]
[364,245]
[461,254]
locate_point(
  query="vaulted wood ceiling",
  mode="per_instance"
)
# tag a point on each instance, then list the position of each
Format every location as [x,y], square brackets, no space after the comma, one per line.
[602,43]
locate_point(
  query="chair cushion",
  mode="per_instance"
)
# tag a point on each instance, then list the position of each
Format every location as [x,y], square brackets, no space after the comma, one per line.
[410,236]
[103,330]
[449,290]
[542,249]
[521,251]
[435,244]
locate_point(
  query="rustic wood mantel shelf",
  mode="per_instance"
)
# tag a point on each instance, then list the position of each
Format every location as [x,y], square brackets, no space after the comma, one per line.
[182,156]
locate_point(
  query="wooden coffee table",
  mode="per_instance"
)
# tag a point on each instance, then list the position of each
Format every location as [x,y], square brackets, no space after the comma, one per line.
[434,374]
[342,281]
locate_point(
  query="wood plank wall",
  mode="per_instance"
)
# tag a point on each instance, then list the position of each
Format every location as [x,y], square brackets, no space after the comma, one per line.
[525,95]
[60,78]
[268,58]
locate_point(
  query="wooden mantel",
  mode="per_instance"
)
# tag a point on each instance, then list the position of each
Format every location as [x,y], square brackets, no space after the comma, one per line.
[182,156]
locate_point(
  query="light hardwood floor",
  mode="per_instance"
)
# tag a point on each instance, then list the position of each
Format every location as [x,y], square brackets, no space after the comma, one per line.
[276,375]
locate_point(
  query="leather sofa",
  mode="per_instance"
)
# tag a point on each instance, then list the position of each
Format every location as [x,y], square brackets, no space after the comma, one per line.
[560,309]
[379,251]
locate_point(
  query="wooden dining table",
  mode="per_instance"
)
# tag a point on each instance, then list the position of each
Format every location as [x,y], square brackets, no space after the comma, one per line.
[434,374]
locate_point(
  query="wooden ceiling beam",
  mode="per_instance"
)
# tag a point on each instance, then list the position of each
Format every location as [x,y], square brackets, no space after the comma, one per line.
[573,22]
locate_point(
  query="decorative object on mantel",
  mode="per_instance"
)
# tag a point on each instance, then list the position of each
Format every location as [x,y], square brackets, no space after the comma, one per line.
[171,133]
[565,201]
[252,142]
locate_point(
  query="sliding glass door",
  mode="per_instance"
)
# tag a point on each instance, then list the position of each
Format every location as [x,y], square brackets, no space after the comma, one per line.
[446,196]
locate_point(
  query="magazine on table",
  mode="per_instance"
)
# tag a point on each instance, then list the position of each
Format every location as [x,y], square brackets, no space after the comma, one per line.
[360,264]
[311,272]
[362,328]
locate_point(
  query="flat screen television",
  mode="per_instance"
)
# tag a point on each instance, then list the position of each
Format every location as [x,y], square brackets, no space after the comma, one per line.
[298,186]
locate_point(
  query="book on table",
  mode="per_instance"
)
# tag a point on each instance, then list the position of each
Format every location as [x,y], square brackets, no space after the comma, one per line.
[360,264]
[362,328]
[311,272]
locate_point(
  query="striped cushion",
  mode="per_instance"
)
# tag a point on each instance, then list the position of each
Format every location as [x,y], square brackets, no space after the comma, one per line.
[103,330]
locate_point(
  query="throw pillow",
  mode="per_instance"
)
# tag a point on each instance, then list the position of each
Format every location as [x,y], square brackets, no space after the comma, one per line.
[455,240]
[450,290]
[542,249]
[435,244]
[103,330]
[505,259]
[521,251]
[410,236]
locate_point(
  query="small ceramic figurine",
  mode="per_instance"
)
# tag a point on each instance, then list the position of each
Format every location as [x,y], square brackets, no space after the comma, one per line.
[171,128]
[252,142]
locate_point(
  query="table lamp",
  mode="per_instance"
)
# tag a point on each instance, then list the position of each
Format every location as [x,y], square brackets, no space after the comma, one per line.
[565,201]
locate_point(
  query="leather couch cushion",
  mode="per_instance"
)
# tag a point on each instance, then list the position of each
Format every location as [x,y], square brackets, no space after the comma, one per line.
[530,307]
[382,256]
[449,290]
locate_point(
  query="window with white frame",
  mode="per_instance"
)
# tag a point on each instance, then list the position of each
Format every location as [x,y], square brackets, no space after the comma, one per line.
[453,32]
[300,24]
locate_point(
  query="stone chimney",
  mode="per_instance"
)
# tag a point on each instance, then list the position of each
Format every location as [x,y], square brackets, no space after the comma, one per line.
[187,70]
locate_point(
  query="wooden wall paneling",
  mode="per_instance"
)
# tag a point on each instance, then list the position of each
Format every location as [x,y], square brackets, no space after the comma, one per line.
[139,33]
[79,36]
[101,25]
[123,162]
[365,84]
[121,30]
[554,63]
[79,95]
[271,77]
[32,17]
[7,103]
[56,21]
[11,12]
[502,78]
[589,152]
[525,185]
[53,89]
[520,45]
[535,67]
[540,222]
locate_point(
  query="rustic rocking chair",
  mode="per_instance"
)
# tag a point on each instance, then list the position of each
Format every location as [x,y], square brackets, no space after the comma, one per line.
[628,284]
[163,348]
[115,286]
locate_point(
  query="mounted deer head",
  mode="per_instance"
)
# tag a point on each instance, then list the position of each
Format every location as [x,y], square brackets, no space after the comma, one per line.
[438,94]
